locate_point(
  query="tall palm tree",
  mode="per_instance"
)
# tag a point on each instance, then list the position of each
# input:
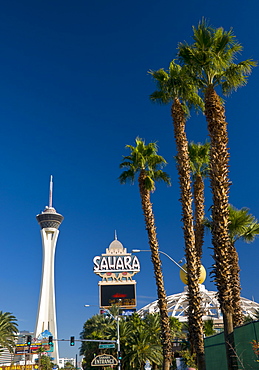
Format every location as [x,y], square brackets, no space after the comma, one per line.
[145,163]
[8,331]
[211,59]
[177,88]
[199,161]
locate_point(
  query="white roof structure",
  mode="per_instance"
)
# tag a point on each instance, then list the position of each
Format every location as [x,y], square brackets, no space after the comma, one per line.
[178,306]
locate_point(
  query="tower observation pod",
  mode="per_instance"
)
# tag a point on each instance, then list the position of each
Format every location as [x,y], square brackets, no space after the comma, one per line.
[49,221]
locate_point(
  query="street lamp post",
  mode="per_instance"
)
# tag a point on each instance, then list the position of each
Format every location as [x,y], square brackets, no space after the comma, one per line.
[167,255]
[118,337]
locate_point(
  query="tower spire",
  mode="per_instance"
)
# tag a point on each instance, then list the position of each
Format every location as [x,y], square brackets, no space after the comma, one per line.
[50,191]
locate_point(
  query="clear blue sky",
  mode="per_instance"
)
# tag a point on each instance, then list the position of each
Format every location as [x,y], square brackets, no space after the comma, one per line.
[74,91]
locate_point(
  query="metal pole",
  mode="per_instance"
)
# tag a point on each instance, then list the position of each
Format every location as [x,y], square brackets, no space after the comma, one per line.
[167,255]
[118,344]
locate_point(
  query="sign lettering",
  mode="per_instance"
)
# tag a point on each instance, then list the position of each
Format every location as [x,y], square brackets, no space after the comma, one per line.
[116,264]
[104,360]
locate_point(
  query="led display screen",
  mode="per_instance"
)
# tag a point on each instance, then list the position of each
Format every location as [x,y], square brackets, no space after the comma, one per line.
[121,294]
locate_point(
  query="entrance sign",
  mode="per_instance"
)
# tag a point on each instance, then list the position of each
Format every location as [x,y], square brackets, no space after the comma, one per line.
[104,360]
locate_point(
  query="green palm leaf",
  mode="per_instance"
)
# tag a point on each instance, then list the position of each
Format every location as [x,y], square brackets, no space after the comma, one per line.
[8,331]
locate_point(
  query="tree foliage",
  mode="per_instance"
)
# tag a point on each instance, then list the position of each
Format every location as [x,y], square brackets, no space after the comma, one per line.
[8,331]
[45,363]
[140,339]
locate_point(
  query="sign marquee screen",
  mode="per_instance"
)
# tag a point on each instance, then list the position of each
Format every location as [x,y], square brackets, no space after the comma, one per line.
[122,294]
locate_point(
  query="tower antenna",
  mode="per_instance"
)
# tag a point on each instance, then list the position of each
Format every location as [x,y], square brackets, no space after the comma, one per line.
[50,191]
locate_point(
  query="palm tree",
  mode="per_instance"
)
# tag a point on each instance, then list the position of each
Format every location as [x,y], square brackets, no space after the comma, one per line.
[177,88]
[39,351]
[97,327]
[243,226]
[152,325]
[145,163]
[143,342]
[199,161]
[141,349]
[45,363]
[211,60]
[8,331]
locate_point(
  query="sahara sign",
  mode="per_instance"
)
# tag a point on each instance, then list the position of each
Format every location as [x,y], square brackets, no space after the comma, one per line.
[116,265]
[104,360]
[127,263]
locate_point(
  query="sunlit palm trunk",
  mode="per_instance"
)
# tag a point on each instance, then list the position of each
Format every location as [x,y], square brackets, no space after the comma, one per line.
[199,214]
[219,164]
[238,316]
[154,247]
[193,263]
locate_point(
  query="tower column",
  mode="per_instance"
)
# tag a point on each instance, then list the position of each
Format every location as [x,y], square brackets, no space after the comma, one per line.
[49,221]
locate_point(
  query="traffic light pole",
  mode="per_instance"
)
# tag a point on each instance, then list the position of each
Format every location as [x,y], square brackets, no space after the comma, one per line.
[118,343]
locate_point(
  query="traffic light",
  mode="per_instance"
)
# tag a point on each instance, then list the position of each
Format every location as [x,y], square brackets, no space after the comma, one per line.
[28,340]
[72,341]
[50,340]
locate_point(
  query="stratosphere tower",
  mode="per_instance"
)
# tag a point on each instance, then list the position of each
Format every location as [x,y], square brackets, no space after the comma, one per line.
[49,221]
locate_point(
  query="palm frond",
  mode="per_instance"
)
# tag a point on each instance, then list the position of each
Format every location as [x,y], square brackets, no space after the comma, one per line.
[160,175]
[211,58]
[160,97]
[177,83]
[127,176]
[144,157]
[199,155]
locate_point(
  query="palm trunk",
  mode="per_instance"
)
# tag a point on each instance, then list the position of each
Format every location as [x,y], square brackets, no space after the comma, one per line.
[198,193]
[161,293]
[193,262]
[219,163]
[238,316]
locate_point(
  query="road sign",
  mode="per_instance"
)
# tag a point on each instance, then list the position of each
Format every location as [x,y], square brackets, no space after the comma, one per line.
[112,345]
[104,360]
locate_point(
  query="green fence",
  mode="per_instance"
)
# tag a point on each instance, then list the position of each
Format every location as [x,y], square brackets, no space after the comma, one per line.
[215,352]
